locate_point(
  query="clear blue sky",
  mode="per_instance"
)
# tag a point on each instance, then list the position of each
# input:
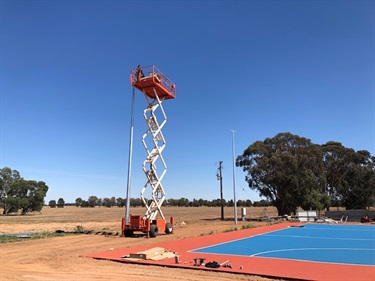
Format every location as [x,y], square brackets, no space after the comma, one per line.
[258,67]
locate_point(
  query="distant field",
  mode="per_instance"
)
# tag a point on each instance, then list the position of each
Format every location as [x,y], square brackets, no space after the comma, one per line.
[99,218]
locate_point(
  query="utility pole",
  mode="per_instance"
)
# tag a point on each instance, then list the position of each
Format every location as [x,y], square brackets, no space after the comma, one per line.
[234,179]
[220,177]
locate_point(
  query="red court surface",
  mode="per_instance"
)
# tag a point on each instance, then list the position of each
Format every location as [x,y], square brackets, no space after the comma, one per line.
[268,267]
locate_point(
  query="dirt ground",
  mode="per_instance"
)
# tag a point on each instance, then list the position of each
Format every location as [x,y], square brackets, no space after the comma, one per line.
[59,258]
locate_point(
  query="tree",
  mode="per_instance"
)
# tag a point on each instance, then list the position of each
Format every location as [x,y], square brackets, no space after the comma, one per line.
[284,169]
[316,200]
[93,201]
[17,193]
[37,191]
[107,202]
[360,193]
[171,202]
[79,202]
[135,202]
[244,203]
[350,176]
[27,195]
[230,203]
[85,204]
[52,203]
[120,202]
[215,203]
[60,203]
[183,202]
[248,203]
[262,203]
[337,160]
[99,202]
[7,177]
[113,201]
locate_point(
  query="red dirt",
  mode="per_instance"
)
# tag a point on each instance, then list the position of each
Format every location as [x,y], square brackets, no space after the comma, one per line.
[59,258]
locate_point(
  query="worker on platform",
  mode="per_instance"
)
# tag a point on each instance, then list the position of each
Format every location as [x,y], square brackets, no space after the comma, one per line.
[139,73]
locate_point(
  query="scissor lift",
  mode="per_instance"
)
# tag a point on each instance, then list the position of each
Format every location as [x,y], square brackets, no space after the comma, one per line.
[156,88]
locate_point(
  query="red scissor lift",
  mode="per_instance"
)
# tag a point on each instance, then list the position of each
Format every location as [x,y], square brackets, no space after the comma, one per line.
[156,88]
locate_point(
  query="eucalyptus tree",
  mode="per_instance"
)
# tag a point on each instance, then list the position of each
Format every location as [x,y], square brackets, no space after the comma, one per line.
[337,162]
[52,203]
[284,169]
[350,176]
[60,203]
[360,193]
[26,195]
[7,178]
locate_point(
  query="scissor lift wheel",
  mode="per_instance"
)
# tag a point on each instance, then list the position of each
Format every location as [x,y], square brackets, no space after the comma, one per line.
[168,228]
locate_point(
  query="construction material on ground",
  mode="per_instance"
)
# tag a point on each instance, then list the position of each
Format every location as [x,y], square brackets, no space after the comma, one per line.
[223,264]
[199,261]
[215,264]
[154,254]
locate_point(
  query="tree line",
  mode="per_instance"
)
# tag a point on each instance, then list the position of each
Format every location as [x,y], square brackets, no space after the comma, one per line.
[94,201]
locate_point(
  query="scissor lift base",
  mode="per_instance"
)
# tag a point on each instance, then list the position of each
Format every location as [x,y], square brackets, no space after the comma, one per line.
[146,226]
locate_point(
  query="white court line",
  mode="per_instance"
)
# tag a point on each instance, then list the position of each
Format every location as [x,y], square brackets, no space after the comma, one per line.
[340,227]
[227,242]
[265,234]
[258,255]
[309,249]
[320,237]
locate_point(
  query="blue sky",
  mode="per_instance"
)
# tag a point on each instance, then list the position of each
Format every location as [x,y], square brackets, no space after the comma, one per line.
[258,67]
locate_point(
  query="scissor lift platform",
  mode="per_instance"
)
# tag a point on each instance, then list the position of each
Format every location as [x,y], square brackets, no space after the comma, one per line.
[154,80]
[156,88]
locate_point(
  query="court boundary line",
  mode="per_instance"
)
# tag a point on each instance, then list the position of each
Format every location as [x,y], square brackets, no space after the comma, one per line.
[320,237]
[260,266]
[235,240]
[270,234]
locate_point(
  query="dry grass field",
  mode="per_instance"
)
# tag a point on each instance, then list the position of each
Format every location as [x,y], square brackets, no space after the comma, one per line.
[59,258]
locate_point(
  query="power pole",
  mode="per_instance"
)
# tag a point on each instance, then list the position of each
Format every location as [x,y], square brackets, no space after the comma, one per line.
[234,180]
[220,177]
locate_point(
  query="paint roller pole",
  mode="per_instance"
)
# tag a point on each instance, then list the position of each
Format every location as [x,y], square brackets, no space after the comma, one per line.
[127,212]
[234,180]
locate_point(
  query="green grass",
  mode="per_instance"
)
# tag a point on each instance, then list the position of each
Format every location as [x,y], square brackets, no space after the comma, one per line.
[231,229]
[38,235]
[47,234]
[247,226]
[7,239]
[244,226]
[275,222]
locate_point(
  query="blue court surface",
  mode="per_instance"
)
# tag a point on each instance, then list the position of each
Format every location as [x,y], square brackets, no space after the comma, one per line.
[340,244]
